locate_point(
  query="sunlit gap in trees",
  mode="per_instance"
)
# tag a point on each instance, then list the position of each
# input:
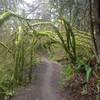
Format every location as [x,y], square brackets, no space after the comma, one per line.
[34,9]
[29,1]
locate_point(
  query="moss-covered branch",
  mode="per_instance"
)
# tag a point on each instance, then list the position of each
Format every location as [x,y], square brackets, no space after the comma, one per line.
[10,51]
[4,17]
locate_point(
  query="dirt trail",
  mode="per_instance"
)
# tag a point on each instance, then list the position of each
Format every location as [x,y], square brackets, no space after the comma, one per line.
[46,87]
[49,86]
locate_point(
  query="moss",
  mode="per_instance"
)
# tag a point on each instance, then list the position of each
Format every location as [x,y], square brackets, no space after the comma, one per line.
[4,17]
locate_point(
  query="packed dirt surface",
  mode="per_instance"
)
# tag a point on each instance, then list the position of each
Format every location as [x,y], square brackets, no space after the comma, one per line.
[46,87]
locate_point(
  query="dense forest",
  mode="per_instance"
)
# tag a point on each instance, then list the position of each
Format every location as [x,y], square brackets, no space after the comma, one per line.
[49,50]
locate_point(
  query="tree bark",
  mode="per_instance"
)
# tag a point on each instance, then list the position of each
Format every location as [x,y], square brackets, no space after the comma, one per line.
[97,26]
[92,29]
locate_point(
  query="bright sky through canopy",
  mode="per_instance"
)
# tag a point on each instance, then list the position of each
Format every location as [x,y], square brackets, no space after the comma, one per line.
[29,1]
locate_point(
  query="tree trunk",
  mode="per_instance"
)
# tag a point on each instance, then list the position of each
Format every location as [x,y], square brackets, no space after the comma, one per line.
[97,26]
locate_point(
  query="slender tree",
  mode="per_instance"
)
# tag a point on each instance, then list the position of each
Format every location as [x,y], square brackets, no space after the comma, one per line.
[97,25]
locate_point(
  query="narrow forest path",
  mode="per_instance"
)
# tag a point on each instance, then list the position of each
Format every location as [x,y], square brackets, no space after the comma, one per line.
[45,87]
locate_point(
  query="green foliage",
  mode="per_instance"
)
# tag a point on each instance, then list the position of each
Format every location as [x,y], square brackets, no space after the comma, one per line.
[19,57]
[6,90]
[71,43]
[27,42]
[72,40]
[69,72]
[83,67]
[98,90]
